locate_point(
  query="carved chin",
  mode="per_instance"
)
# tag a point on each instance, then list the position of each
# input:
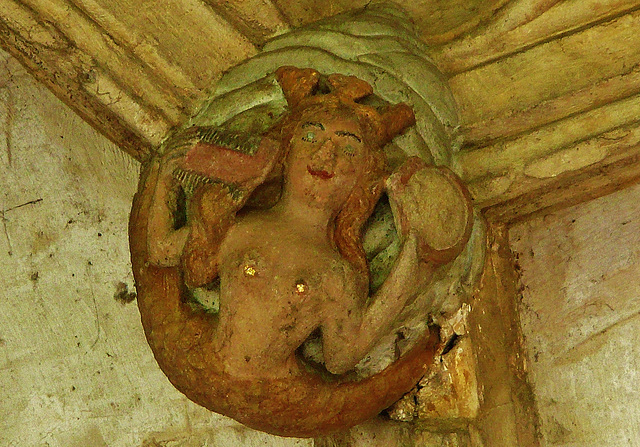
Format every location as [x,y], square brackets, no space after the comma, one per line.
[319,196]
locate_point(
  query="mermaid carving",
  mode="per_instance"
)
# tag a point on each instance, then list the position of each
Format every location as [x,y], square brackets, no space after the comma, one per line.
[276,223]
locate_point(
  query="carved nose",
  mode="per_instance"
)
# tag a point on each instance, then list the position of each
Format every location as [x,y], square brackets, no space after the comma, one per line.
[326,152]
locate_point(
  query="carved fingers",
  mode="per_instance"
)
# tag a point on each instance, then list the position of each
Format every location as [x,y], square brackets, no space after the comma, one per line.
[432,203]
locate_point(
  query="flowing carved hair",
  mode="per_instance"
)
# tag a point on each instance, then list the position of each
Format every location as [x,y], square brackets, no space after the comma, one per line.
[305,97]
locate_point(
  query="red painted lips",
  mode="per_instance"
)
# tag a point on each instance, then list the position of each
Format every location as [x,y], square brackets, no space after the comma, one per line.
[320,173]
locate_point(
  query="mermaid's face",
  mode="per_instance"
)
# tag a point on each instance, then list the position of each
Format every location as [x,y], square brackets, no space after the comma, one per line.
[327,157]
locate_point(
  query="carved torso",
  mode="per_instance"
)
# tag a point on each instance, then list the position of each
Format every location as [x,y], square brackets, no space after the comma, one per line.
[277,285]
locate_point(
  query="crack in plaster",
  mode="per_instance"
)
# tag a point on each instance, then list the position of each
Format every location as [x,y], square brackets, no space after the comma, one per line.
[4,221]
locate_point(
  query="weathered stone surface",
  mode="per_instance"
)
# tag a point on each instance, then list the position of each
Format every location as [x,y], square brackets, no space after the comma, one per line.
[507,415]
[579,313]
[446,399]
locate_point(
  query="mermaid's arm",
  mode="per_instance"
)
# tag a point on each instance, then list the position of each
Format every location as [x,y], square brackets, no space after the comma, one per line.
[164,243]
[350,331]
[212,211]
[433,215]
[226,179]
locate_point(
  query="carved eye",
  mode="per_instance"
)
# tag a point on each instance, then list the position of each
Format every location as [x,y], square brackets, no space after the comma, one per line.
[349,150]
[309,137]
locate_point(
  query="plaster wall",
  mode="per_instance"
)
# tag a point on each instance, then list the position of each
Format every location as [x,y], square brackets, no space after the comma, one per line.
[580,315]
[75,369]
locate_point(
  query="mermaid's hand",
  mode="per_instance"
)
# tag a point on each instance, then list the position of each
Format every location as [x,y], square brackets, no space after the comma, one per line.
[243,169]
[432,203]
[173,154]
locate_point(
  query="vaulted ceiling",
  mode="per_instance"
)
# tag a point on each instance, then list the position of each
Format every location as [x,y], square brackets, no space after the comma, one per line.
[548,90]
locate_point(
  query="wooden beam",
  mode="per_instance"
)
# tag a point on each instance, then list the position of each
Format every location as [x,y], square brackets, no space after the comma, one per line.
[441,22]
[106,61]
[436,22]
[562,175]
[550,70]
[526,154]
[522,25]
[301,12]
[542,85]
[538,123]
[598,94]
[24,37]
[258,20]
[536,196]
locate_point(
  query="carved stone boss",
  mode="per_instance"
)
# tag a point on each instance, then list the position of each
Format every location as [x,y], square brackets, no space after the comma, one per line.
[276,253]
